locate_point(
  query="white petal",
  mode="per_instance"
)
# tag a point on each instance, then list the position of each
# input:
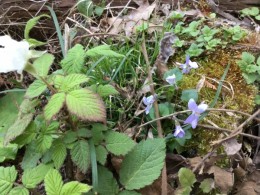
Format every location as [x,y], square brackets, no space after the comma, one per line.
[193,64]
[202,107]
[13,54]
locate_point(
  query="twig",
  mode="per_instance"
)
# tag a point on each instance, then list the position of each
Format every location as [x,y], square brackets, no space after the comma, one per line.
[157,115]
[185,111]
[238,129]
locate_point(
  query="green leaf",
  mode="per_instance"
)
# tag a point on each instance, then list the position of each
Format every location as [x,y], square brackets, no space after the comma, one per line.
[251,68]
[30,24]
[73,80]
[106,90]
[257,17]
[59,153]
[8,152]
[45,138]
[101,154]
[250,78]
[7,178]
[194,50]
[75,60]
[258,61]
[102,50]
[9,105]
[28,135]
[53,182]
[17,128]
[189,94]
[54,105]
[252,11]
[80,155]
[207,185]
[32,177]
[97,136]
[107,184]
[42,64]
[127,192]
[31,157]
[86,105]
[248,58]
[70,136]
[186,177]
[165,109]
[19,190]
[74,188]
[35,89]
[142,165]
[85,7]
[118,143]
[176,71]
[257,99]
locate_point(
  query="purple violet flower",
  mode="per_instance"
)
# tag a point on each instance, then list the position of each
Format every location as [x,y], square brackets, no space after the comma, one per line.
[196,111]
[148,101]
[188,65]
[171,79]
[179,132]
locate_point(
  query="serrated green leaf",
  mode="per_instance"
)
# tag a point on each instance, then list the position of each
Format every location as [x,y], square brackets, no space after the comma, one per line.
[30,158]
[106,90]
[250,78]
[257,17]
[42,64]
[35,89]
[248,58]
[80,155]
[86,105]
[31,23]
[53,182]
[19,190]
[17,128]
[70,136]
[207,185]
[258,61]
[28,135]
[127,192]
[32,177]
[73,80]
[28,106]
[101,154]
[97,136]
[7,178]
[45,138]
[107,184]
[194,50]
[75,60]
[186,177]
[102,50]
[143,164]
[59,153]
[54,105]
[118,143]
[74,188]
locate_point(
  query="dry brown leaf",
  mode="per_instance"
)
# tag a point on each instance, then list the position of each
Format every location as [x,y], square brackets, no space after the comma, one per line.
[209,85]
[137,17]
[223,179]
[231,146]
[201,82]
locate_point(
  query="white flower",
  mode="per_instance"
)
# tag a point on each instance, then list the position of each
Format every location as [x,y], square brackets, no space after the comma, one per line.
[13,54]
[171,79]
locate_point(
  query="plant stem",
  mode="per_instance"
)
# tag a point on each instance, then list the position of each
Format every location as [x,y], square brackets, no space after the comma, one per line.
[157,115]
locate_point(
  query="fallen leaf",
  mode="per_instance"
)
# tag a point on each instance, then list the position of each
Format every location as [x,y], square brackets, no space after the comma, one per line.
[231,146]
[223,179]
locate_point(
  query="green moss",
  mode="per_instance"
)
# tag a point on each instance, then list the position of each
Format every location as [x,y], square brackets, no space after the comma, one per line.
[213,66]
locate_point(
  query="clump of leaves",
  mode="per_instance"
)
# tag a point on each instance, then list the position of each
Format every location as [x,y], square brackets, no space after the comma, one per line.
[250,67]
